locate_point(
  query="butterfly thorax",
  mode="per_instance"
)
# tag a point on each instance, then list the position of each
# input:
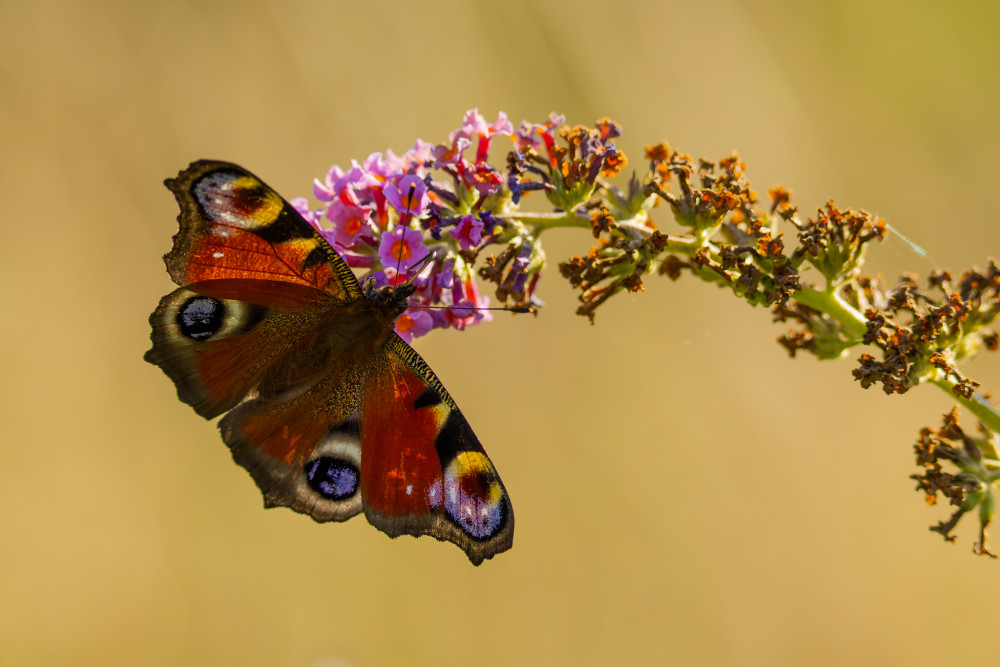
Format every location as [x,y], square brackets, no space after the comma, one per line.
[391,300]
[359,328]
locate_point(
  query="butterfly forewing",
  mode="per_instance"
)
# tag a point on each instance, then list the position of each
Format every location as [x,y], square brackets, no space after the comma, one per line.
[232,225]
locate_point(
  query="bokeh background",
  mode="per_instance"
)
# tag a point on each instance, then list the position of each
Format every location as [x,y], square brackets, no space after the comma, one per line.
[685,494]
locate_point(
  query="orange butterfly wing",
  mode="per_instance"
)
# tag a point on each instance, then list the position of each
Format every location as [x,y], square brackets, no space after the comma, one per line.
[329,411]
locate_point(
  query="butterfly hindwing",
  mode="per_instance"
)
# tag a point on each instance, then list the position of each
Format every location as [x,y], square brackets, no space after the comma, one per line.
[423,470]
[304,453]
[220,339]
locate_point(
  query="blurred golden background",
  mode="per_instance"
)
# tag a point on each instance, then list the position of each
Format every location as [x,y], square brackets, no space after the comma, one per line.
[685,494]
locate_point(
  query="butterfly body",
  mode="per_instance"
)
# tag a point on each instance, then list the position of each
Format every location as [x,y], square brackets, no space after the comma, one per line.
[326,407]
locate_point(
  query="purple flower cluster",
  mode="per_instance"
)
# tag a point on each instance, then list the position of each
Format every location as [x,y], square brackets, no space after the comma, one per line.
[424,216]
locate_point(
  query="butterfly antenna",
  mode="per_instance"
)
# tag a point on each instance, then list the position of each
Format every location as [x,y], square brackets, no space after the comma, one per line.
[399,264]
[509,309]
[419,266]
[431,256]
[405,222]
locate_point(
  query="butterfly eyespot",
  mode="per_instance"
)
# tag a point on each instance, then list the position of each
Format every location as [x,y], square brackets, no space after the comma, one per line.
[231,199]
[332,478]
[473,498]
[200,317]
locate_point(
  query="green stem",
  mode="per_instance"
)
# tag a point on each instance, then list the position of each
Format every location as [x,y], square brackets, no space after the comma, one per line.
[830,303]
[543,221]
[977,405]
[636,226]
[686,245]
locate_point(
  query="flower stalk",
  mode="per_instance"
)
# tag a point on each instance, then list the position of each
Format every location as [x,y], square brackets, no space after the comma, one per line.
[446,217]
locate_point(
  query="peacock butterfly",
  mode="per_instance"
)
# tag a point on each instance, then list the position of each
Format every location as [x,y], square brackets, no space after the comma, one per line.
[327,408]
